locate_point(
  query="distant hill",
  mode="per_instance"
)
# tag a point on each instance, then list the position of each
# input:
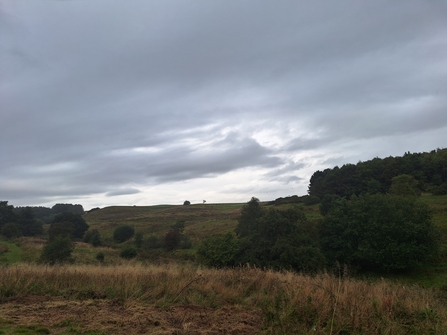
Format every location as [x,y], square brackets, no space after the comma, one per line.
[429,169]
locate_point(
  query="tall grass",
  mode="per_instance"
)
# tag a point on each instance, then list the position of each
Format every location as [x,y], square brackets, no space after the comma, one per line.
[291,303]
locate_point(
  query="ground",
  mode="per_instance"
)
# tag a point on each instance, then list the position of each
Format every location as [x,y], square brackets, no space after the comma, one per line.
[55,315]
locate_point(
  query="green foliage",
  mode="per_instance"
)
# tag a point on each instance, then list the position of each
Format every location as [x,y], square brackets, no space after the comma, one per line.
[100,256]
[63,228]
[57,251]
[123,233]
[328,201]
[186,203]
[152,242]
[175,238]
[10,230]
[172,240]
[219,251]
[250,214]
[179,226]
[279,240]
[429,170]
[311,200]
[129,252]
[6,213]
[139,240]
[67,208]
[78,224]
[27,223]
[404,185]
[379,232]
[93,237]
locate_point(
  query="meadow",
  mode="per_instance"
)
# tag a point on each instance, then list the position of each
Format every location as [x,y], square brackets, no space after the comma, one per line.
[168,293]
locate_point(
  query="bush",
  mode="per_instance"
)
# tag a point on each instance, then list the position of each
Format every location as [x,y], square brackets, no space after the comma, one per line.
[10,230]
[219,251]
[138,240]
[57,251]
[93,237]
[152,242]
[128,252]
[123,233]
[100,256]
[186,203]
[172,240]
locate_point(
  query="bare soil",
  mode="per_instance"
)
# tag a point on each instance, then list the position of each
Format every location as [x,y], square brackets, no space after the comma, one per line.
[63,316]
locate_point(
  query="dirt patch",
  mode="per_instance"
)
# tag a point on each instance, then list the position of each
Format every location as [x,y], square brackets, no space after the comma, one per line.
[111,317]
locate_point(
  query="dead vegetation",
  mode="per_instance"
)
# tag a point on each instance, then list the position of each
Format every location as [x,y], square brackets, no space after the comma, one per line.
[186,300]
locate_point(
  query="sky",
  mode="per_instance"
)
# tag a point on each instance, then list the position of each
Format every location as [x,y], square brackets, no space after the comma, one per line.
[157,102]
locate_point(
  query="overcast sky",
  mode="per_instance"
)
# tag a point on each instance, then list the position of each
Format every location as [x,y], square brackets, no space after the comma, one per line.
[156,102]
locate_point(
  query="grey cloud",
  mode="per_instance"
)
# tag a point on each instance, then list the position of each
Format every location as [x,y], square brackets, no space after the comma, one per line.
[100,95]
[125,191]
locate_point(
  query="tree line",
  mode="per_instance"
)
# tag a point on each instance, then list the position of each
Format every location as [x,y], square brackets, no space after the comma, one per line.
[368,232]
[428,169]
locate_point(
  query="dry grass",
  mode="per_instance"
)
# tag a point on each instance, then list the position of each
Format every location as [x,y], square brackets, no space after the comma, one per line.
[290,303]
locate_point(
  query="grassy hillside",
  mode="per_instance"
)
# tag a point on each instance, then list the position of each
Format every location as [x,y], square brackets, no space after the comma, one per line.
[201,220]
[124,296]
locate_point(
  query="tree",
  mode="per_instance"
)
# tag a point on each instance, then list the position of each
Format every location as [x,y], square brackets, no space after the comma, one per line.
[279,240]
[63,229]
[186,203]
[79,226]
[379,232]
[172,240]
[404,185]
[250,214]
[123,233]
[57,251]
[27,224]
[6,213]
[10,230]
[63,208]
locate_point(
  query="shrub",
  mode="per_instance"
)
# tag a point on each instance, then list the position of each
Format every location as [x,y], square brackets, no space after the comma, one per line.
[57,251]
[10,230]
[93,237]
[152,242]
[100,256]
[138,240]
[186,203]
[172,240]
[128,252]
[123,233]
[219,251]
